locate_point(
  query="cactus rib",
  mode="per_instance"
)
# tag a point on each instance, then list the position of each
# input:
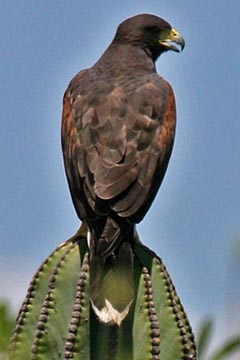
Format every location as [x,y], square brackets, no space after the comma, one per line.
[78,332]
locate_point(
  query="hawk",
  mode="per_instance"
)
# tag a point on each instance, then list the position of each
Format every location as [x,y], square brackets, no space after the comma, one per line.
[118,127]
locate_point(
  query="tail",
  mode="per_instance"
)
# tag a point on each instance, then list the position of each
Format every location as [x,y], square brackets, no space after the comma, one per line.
[111,272]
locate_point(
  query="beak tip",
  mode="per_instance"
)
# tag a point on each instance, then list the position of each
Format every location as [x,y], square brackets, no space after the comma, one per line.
[181,42]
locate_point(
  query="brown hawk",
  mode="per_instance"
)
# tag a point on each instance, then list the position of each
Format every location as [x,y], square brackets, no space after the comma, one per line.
[118,128]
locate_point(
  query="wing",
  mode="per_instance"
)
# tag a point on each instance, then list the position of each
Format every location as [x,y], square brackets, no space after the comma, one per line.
[152,108]
[116,141]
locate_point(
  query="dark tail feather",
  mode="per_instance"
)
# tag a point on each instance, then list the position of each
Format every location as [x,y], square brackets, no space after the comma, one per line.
[112,283]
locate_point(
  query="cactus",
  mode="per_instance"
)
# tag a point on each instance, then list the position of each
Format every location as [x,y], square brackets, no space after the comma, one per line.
[56,320]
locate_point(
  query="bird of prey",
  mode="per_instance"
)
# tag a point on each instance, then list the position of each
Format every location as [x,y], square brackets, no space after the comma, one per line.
[118,127]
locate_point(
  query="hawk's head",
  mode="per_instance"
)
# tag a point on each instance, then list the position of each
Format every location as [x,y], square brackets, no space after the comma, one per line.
[151,33]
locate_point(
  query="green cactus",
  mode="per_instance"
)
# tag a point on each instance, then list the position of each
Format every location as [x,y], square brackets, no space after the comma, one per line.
[56,320]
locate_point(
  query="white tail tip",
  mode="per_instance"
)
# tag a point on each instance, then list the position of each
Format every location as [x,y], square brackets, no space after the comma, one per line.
[109,315]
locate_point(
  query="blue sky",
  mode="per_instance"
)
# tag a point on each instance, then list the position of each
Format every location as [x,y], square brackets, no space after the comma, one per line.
[195,218]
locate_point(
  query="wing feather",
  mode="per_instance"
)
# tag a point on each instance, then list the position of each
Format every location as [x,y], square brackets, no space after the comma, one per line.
[118,140]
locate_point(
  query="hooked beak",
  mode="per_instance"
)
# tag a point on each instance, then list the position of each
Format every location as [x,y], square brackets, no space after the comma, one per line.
[170,38]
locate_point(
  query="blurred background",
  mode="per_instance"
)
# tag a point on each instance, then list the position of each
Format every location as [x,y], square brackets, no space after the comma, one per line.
[194,223]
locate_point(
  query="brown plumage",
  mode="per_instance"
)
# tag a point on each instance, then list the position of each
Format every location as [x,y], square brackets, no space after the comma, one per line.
[118,130]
